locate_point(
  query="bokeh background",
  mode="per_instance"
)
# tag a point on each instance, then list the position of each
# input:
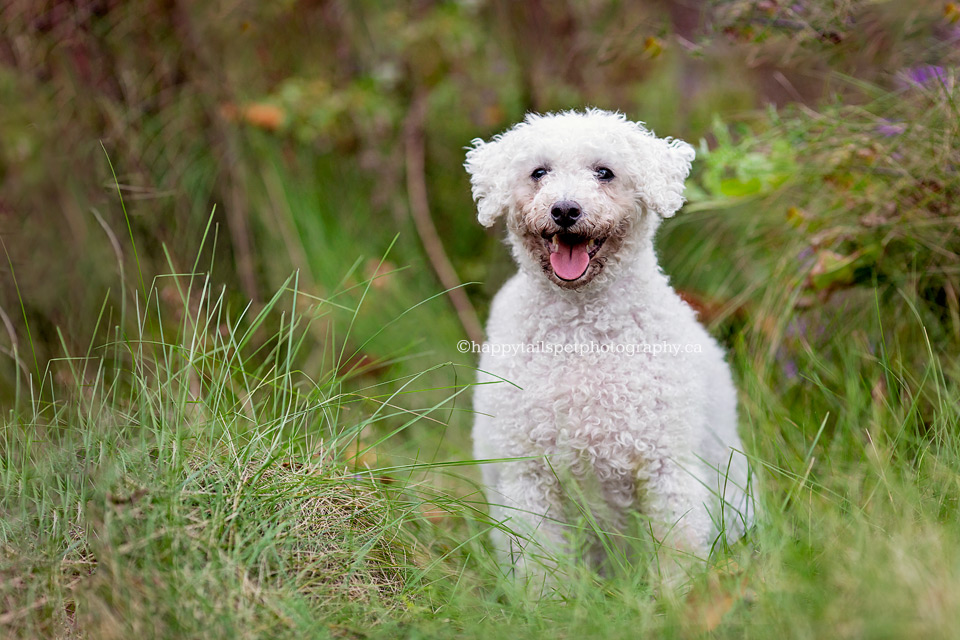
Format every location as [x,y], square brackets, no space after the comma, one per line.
[304,159]
[307,132]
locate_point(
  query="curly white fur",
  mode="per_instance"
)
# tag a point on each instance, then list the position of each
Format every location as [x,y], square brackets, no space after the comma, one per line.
[655,434]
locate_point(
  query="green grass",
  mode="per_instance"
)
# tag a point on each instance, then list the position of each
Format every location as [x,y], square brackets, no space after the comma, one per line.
[300,468]
[207,467]
[192,480]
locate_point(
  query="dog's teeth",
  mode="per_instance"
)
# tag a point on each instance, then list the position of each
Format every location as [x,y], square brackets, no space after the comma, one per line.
[555,242]
[592,243]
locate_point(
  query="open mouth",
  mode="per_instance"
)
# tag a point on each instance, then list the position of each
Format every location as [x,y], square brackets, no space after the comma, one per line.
[570,254]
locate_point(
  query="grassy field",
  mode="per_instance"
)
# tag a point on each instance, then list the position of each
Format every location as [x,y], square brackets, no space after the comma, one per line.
[256,424]
[196,479]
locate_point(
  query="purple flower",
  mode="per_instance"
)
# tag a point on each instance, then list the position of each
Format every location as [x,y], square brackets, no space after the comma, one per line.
[890,129]
[797,328]
[926,74]
[790,369]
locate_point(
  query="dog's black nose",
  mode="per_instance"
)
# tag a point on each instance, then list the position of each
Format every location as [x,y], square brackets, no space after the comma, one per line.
[565,213]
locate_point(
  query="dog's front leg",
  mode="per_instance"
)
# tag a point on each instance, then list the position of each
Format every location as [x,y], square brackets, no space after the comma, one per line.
[530,507]
[675,501]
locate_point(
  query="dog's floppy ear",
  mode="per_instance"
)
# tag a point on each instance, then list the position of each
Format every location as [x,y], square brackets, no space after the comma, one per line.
[485,167]
[663,165]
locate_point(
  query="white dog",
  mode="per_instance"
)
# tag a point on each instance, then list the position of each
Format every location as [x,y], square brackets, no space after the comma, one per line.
[612,382]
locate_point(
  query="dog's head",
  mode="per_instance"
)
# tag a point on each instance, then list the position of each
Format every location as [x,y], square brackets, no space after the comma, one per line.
[582,192]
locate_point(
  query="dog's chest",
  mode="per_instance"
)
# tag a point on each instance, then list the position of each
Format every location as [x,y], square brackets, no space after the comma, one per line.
[588,387]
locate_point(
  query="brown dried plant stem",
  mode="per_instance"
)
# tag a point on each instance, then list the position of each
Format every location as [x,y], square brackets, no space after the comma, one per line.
[415,152]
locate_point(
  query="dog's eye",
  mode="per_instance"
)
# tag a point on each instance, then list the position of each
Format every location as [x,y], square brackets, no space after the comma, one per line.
[538,173]
[604,174]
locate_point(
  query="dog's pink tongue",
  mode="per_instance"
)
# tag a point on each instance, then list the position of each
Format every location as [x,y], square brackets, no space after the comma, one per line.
[570,261]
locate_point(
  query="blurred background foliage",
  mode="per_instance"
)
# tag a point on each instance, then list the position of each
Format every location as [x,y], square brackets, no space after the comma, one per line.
[310,134]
